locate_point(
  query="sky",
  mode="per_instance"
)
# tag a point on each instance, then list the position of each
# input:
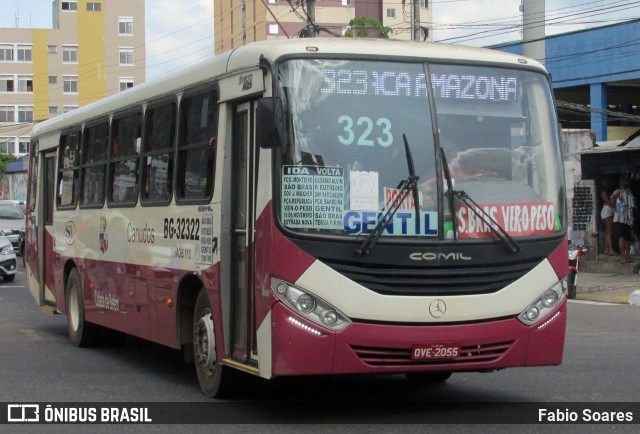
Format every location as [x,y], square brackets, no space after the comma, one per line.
[180,32]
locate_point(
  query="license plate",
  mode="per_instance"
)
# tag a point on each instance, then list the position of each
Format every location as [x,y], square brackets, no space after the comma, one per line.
[435,351]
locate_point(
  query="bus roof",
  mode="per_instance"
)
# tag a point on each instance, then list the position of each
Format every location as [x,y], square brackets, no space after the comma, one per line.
[248,56]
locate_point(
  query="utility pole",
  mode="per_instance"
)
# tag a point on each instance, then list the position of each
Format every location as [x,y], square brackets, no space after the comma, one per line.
[244,22]
[533,29]
[415,24]
[311,16]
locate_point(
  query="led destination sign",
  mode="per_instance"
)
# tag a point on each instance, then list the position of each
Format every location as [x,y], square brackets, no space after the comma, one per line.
[485,87]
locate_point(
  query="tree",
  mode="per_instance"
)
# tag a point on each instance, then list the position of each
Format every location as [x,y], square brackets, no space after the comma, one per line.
[5,159]
[363,26]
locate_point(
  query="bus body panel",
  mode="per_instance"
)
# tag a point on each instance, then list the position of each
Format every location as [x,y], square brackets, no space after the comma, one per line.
[377,348]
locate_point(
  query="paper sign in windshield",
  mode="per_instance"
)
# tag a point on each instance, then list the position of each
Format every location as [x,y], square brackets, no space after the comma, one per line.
[364,190]
[312,197]
[518,219]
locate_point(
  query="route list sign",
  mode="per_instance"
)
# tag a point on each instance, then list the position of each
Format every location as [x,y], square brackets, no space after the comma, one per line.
[312,197]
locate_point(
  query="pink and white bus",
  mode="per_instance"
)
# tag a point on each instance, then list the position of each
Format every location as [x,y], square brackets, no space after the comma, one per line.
[312,207]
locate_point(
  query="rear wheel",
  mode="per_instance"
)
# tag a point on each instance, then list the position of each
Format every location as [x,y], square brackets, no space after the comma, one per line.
[428,377]
[214,378]
[81,333]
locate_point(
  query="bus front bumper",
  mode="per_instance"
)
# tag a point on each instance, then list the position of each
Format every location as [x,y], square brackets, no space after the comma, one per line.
[300,347]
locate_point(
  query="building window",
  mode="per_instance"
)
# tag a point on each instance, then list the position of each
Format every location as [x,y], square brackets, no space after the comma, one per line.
[25,83]
[7,113]
[23,144]
[424,4]
[95,7]
[53,79]
[126,83]
[53,110]
[7,83]
[273,29]
[125,25]
[6,52]
[24,53]
[25,113]
[70,84]
[126,56]
[52,49]
[6,145]
[70,53]
[391,13]
[70,6]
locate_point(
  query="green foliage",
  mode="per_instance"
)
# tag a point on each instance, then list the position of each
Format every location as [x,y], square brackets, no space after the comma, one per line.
[364,24]
[5,159]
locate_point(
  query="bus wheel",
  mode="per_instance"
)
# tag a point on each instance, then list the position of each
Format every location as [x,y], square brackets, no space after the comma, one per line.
[81,333]
[212,376]
[428,377]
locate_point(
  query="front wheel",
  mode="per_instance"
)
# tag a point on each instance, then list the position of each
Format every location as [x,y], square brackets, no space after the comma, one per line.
[81,333]
[572,280]
[214,378]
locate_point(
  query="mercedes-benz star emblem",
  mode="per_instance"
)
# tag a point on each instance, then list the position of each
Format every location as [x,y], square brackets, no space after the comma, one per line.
[437,308]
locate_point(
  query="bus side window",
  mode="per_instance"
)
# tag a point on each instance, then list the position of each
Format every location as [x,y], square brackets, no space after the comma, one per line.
[126,132]
[197,145]
[68,170]
[157,158]
[94,164]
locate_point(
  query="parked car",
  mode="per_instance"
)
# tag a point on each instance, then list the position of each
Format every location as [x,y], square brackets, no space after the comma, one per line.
[12,221]
[21,203]
[8,262]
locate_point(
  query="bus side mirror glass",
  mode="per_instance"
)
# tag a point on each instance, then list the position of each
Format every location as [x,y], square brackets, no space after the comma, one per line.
[270,123]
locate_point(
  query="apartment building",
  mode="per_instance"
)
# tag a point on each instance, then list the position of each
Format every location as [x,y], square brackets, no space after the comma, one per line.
[239,22]
[94,49]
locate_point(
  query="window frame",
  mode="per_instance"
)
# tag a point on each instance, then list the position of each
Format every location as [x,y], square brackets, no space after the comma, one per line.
[179,171]
[69,79]
[128,25]
[84,164]
[127,51]
[114,160]
[22,50]
[72,6]
[76,169]
[69,51]
[171,151]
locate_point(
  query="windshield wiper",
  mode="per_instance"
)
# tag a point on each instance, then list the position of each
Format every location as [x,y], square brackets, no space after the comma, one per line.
[410,184]
[486,218]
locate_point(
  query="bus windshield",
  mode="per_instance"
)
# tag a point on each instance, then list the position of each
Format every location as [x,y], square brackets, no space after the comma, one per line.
[346,156]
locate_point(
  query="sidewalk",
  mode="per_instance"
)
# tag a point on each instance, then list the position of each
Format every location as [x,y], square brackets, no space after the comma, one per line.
[607,287]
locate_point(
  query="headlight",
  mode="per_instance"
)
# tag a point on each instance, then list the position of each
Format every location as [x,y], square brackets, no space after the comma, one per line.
[544,304]
[309,306]
[573,254]
[6,250]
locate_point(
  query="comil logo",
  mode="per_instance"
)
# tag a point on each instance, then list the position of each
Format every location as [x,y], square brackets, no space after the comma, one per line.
[23,413]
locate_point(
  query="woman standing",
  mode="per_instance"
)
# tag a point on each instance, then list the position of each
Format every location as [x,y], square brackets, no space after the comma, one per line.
[623,219]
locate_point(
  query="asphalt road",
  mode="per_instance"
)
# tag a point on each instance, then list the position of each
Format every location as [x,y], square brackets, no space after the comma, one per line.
[38,364]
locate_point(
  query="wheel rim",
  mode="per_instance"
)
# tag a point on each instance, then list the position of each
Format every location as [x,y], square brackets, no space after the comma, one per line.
[204,343]
[74,308]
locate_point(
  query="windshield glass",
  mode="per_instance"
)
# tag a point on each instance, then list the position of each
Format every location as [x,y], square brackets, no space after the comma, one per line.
[346,156]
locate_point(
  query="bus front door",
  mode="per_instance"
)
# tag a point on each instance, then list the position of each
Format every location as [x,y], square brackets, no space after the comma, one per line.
[242,230]
[46,235]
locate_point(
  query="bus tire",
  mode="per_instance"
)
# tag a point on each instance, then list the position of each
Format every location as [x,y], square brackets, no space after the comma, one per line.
[214,378]
[81,333]
[428,377]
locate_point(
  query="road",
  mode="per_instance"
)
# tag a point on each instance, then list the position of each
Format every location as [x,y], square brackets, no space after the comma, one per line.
[602,358]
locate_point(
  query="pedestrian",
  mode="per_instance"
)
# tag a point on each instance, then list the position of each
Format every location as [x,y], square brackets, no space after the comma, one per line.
[623,219]
[606,214]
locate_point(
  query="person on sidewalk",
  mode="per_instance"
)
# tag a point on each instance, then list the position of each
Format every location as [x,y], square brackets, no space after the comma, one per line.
[607,216]
[623,219]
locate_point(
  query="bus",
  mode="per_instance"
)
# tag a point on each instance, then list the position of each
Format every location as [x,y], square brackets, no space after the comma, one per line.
[312,207]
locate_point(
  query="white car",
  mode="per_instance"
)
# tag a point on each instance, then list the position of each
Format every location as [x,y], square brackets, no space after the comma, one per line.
[8,263]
